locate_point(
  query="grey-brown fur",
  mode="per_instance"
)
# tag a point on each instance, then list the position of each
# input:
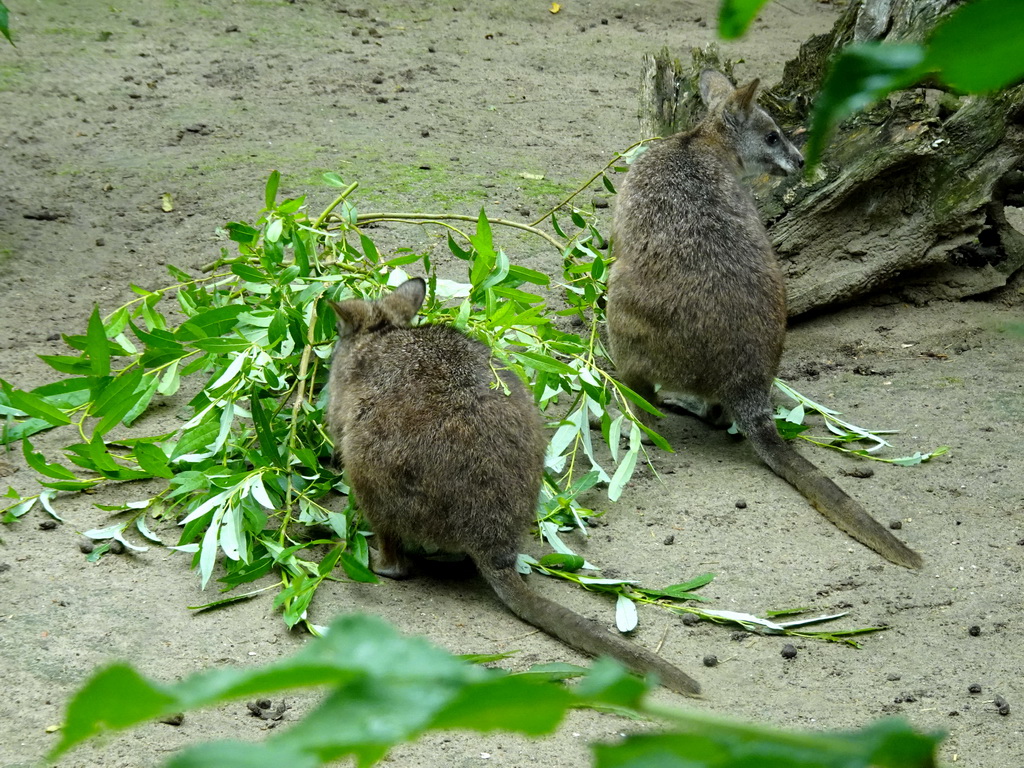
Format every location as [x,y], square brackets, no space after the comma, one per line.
[696,300]
[438,456]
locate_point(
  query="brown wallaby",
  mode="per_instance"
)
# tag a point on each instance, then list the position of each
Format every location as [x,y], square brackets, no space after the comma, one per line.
[439,455]
[696,299]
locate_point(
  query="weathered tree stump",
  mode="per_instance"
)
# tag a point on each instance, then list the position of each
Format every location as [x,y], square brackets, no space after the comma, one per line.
[911,195]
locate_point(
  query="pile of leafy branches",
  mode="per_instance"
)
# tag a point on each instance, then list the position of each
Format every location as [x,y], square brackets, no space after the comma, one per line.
[249,477]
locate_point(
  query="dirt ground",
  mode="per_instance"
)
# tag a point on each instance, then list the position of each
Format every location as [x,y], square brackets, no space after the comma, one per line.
[438,107]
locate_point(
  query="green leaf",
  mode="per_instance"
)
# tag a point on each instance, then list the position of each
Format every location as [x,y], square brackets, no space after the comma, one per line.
[99,352]
[264,430]
[19,509]
[145,393]
[220,345]
[197,439]
[76,366]
[237,754]
[270,193]
[524,704]
[541,362]
[456,250]
[34,405]
[153,460]
[734,16]
[356,571]
[563,562]
[114,698]
[38,463]
[622,475]
[859,75]
[4,29]
[116,399]
[248,273]
[695,583]
[212,322]
[333,179]
[369,249]
[242,233]
[980,46]
[711,742]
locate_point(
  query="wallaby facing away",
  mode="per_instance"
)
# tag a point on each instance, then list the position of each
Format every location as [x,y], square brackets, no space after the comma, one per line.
[696,299]
[439,456]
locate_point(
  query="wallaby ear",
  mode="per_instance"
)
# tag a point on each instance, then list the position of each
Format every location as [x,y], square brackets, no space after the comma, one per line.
[715,88]
[745,97]
[405,301]
[351,315]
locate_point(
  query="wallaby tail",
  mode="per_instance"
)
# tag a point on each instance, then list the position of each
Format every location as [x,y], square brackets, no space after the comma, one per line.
[580,633]
[827,497]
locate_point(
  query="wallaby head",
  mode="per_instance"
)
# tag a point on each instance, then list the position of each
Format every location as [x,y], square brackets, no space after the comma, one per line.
[396,310]
[758,142]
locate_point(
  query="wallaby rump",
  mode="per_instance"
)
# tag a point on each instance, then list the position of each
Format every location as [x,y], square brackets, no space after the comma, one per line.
[439,455]
[696,298]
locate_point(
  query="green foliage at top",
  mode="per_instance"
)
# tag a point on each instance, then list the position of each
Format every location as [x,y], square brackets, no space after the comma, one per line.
[735,16]
[385,689]
[4,29]
[977,48]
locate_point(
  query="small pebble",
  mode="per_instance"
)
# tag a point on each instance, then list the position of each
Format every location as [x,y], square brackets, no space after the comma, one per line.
[711,660]
[424,133]
[176,719]
[47,525]
[974,631]
[116,547]
[896,524]
[789,651]
[974,688]
[1002,707]
[670,539]
[892,677]
[690,619]
[741,504]
[738,637]
[86,546]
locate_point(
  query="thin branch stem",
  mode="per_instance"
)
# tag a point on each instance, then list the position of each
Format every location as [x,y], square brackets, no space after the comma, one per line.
[337,201]
[422,218]
[588,182]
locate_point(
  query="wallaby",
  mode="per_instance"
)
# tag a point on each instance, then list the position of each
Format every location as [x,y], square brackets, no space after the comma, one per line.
[444,448]
[696,299]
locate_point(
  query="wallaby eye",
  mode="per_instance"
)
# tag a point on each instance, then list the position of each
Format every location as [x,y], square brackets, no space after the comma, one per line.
[771,138]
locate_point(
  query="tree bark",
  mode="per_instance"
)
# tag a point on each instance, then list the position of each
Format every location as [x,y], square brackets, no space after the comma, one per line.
[911,194]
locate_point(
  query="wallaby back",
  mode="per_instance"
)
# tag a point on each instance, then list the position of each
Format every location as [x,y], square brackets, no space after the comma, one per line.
[438,455]
[696,298]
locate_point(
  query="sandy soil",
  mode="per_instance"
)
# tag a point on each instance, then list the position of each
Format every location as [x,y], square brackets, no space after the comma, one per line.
[442,107]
